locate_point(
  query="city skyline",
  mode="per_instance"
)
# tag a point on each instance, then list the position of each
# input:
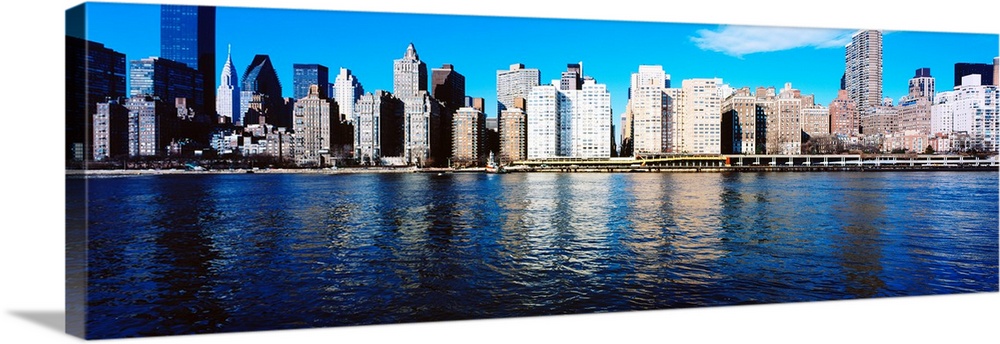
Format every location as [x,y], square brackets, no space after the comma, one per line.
[678,47]
[877,319]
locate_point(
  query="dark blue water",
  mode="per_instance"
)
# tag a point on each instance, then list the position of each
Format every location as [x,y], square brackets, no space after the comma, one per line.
[177,254]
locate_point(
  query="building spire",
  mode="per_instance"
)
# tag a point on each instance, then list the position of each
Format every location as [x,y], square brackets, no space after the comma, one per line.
[228,76]
[411,53]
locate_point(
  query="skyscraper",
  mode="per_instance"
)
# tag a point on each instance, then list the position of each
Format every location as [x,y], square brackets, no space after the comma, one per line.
[409,74]
[260,94]
[315,122]
[227,97]
[863,70]
[739,112]
[422,123]
[492,134]
[586,121]
[972,108]
[305,75]
[922,84]
[378,127]
[915,108]
[964,69]
[569,122]
[676,107]
[166,79]
[515,82]
[448,86]
[699,118]
[151,125]
[469,135]
[996,71]
[784,127]
[478,103]
[187,35]
[943,113]
[423,140]
[94,73]
[572,78]
[513,132]
[110,130]
[626,148]
[768,121]
[648,108]
[348,91]
[543,122]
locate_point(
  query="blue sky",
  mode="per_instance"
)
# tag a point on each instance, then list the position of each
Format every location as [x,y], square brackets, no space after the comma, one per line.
[367,43]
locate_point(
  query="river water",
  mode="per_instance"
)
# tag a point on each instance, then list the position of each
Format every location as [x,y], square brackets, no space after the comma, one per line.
[177,254]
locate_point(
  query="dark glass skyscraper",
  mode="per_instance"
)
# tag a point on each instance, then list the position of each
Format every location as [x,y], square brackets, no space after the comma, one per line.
[447,86]
[187,35]
[260,94]
[985,70]
[310,74]
[94,74]
[167,80]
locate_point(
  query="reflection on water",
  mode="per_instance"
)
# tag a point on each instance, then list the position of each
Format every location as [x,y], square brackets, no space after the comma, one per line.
[859,242]
[216,253]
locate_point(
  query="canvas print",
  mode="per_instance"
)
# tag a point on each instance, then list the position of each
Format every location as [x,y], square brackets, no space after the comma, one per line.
[228,170]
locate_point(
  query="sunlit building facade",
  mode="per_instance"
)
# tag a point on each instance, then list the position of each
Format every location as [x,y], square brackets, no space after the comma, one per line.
[863,70]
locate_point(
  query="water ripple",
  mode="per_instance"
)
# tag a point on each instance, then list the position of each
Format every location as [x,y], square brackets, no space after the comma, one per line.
[179,254]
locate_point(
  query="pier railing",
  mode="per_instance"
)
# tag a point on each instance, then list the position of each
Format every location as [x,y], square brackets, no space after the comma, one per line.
[737,162]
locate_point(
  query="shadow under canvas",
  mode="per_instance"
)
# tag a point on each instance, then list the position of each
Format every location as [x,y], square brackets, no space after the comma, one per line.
[54,320]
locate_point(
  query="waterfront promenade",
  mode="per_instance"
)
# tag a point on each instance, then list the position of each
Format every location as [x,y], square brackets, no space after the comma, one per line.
[658,163]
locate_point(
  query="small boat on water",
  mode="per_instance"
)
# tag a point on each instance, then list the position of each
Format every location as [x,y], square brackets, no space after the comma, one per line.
[493,167]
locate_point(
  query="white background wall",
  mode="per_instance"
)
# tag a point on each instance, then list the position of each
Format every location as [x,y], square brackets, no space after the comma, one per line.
[32,232]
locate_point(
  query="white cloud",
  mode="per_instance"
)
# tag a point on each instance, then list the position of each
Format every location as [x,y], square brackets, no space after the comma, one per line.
[743,40]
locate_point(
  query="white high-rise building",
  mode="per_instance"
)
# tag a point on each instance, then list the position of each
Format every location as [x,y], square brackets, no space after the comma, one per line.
[422,121]
[227,96]
[676,106]
[569,122]
[422,127]
[974,109]
[943,113]
[648,109]
[513,83]
[378,128]
[543,122]
[348,92]
[409,75]
[588,134]
[698,115]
